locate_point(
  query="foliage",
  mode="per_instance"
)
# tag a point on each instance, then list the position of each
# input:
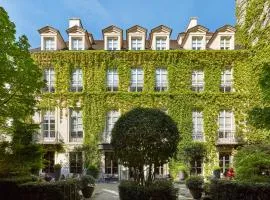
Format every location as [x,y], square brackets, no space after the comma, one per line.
[179,100]
[87,180]
[21,155]
[252,163]
[194,182]
[176,167]
[93,171]
[19,77]
[233,190]
[57,166]
[194,151]
[144,137]
[160,189]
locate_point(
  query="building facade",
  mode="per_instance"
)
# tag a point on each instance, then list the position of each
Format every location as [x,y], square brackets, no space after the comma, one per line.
[197,79]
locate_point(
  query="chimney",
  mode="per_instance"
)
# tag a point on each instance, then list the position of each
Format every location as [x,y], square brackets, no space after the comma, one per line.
[75,22]
[193,22]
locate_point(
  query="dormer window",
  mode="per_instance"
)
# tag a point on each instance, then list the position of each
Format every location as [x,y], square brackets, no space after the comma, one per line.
[225,42]
[136,43]
[49,43]
[197,42]
[112,43]
[161,43]
[76,43]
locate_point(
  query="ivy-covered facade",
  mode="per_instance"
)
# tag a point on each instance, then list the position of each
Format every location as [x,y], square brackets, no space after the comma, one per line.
[179,99]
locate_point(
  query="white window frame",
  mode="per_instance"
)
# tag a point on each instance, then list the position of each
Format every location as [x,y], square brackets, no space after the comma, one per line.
[197,135]
[76,125]
[78,45]
[160,84]
[78,162]
[161,42]
[51,45]
[111,119]
[197,84]
[136,43]
[226,84]
[225,42]
[137,80]
[76,80]
[112,79]
[48,119]
[197,42]
[112,43]
[49,77]
[226,135]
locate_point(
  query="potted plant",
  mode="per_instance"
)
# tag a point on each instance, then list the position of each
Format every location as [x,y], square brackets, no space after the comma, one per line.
[216,172]
[195,186]
[87,184]
[57,171]
[93,171]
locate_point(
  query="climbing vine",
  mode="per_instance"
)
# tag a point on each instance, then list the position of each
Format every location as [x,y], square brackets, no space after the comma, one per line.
[179,100]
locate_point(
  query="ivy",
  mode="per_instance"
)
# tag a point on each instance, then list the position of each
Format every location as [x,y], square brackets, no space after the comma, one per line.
[179,99]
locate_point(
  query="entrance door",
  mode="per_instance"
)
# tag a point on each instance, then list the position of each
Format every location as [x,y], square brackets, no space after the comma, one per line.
[224,161]
[111,164]
[49,162]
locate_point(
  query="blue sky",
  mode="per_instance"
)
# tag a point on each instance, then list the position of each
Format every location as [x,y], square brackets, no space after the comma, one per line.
[30,15]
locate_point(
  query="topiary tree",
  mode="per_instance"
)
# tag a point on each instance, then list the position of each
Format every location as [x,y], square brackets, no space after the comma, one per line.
[144,137]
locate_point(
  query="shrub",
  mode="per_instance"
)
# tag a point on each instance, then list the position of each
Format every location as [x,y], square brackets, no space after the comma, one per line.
[252,163]
[233,190]
[194,182]
[86,180]
[159,189]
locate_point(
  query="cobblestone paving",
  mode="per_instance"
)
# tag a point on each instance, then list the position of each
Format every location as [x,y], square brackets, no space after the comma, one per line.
[109,191]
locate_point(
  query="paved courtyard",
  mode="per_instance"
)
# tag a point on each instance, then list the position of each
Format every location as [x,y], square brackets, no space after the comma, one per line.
[109,191]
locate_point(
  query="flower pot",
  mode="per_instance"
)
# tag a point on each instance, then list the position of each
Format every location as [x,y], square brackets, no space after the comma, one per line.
[196,193]
[57,174]
[216,173]
[87,191]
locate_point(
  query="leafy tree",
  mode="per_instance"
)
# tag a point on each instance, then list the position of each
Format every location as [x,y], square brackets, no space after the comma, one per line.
[144,137]
[20,82]
[19,77]
[252,163]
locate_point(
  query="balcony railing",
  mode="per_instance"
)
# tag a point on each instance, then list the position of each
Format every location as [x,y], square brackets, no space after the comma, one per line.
[197,136]
[227,137]
[197,87]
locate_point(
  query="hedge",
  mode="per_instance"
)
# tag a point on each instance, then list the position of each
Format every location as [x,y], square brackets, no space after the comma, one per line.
[159,190]
[61,190]
[232,190]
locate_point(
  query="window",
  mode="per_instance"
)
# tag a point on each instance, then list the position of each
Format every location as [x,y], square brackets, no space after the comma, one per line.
[161,79]
[75,162]
[224,161]
[226,81]
[196,167]
[112,80]
[111,164]
[197,120]
[49,80]
[197,81]
[112,44]
[136,80]
[49,43]
[226,127]
[225,43]
[48,162]
[76,127]
[136,43]
[197,42]
[76,80]
[112,117]
[48,125]
[76,43]
[161,43]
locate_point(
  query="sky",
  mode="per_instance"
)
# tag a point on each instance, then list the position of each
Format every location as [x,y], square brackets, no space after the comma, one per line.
[31,15]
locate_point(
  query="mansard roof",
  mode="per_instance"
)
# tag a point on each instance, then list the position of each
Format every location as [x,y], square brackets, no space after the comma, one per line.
[111,29]
[221,29]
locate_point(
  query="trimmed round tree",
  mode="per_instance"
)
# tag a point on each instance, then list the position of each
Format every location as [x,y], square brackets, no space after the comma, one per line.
[144,138]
